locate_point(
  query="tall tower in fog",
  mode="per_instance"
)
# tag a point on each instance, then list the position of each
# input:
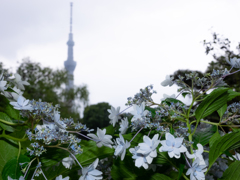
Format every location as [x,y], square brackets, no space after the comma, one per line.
[70,64]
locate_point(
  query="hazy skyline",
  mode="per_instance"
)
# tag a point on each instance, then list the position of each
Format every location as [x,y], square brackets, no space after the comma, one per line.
[120,46]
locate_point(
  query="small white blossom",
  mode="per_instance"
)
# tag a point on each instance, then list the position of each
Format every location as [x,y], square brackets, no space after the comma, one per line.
[149,146]
[197,154]
[124,126]
[90,172]
[121,146]
[165,96]
[140,159]
[168,81]
[104,140]
[58,122]
[139,112]
[21,104]
[68,162]
[114,115]
[19,83]
[196,172]
[61,178]
[13,95]
[234,62]
[173,146]
[3,85]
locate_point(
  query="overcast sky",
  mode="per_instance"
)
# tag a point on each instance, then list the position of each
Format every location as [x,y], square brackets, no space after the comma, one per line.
[120,45]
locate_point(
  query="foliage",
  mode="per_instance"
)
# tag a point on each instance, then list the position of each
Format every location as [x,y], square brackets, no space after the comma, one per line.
[96,115]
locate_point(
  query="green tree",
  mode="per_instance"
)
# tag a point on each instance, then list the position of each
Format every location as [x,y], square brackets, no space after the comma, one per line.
[48,85]
[96,115]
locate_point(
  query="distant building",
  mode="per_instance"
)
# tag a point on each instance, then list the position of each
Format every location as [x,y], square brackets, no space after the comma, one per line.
[70,64]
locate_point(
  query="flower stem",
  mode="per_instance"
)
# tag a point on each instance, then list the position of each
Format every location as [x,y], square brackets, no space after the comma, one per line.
[43,174]
[28,168]
[10,137]
[136,134]
[124,110]
[84,136]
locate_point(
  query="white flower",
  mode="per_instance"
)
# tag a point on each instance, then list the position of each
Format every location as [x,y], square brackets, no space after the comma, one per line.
[124,126]
[2,85]
[197,171]
[234,62]
[114,115]
[168,81]
[165,96]
[21,178]
[197,154]
[140,159]
[14,95]
[121,146]
[90,172]
[149,146]
[19,82]
[104,140]
[58,122]
[236,156]
[60,178]
[68,162]
[21,104]
[172,145]
[138,112]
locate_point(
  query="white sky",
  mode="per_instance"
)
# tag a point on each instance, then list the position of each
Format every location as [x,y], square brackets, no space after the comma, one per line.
[120,45]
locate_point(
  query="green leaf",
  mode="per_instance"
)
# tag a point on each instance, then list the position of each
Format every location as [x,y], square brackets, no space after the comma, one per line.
[215,100]
[158,176]
[7,151]
[232,94]
[152,110]
[12,167]
[203,137]
[124,169]
[215,137]
[185,93]
[110,130]
[4,126]
[222,110]
[221,145]
[170,100]
[13,113]
[232,172]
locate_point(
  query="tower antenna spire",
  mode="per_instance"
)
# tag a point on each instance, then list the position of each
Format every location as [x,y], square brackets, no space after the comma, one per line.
[71,4]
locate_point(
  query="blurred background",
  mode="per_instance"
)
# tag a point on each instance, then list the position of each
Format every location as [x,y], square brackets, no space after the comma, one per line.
[120,46]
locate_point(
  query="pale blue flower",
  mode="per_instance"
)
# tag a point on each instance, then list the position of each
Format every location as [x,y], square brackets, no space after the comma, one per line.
[173,146]
[197,154]
[149,146]
[114,115]
[68,162]
[168,81]
[121,146]
[3,85]
[90,172]
[138,112]
[234,62]
[61,178]
[19,83]
[21,104]
[58,122]
[124,126]
[101,138]
[196,172]
[140,159]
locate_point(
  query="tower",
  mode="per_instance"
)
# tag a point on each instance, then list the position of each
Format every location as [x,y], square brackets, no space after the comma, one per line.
[70,64]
